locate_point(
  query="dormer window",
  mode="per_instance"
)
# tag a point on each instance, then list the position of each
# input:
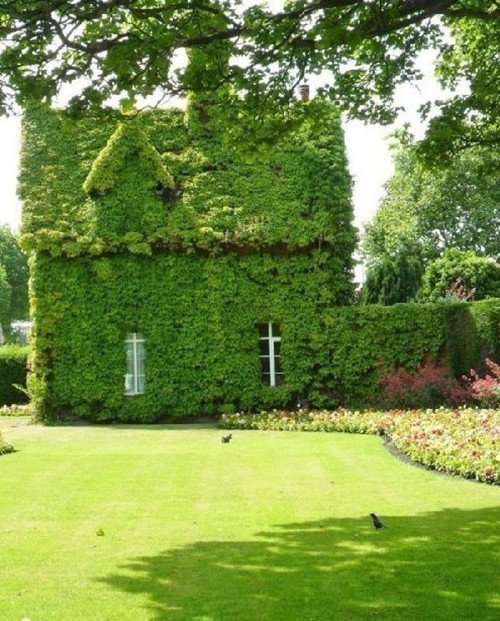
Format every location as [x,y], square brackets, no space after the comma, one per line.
[166,194]
[270,354]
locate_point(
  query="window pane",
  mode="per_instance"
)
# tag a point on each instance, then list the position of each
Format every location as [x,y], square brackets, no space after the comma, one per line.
[129,384]
[141,384]
[277,348]
[141,357]
[280,379]
[266,367]
[277,365]
[264,347]
[263,329]
[130,359]
[275,329]
[135,353]
[266,378]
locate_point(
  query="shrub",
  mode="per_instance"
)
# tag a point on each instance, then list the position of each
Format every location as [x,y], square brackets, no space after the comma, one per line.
[475,272]
[486,390]
[5,447]
[429,386]
[13,370]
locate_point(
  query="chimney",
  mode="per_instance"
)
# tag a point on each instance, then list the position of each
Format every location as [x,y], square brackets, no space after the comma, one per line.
[304,91]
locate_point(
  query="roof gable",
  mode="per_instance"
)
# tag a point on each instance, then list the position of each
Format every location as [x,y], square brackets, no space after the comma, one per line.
[128,142]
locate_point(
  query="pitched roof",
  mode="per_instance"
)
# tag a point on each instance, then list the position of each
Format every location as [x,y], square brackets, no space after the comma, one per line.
[90,185]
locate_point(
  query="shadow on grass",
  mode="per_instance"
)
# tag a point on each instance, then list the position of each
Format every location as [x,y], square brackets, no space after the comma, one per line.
[443,565]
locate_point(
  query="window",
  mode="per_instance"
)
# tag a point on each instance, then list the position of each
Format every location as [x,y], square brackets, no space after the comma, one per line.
[136,356]
[270,354]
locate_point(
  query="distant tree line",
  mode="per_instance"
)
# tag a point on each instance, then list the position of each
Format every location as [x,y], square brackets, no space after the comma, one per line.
[435,225]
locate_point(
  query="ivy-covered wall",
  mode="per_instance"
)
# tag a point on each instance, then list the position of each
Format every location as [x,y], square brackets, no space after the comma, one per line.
[198,316]
[154,225]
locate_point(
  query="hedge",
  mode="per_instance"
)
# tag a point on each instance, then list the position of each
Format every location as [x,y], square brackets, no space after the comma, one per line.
[357,344]
[13,363]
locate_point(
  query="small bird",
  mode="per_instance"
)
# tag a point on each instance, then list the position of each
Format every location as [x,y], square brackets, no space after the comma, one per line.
[226,439]
[376,522]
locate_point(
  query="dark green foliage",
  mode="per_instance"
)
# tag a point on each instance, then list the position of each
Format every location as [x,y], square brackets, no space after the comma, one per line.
[476,273]
[486,320]
[13,363]
[5,297]
[463,343]
[16,276]
[356,345]
[393,279]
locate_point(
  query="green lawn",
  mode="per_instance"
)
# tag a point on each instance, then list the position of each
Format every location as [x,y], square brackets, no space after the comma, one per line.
[272,526]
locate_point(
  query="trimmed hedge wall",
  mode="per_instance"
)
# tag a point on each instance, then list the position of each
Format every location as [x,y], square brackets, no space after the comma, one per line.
[356,344]
[13,363]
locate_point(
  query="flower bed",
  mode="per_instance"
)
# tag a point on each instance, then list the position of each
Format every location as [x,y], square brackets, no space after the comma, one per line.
[15,410]
[463,441]
[315,420]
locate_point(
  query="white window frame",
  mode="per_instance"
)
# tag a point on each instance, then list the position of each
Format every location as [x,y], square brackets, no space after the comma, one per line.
[132,387]
[272,340]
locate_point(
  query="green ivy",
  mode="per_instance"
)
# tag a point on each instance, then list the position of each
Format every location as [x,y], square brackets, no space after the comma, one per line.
[198,315]
[153,224]
[87,185]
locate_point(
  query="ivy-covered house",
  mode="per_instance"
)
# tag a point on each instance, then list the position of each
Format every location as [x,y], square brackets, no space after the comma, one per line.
[172,276]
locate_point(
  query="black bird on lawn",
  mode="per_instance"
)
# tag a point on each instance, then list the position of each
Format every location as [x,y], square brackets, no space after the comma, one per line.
[226,439]
[376,522]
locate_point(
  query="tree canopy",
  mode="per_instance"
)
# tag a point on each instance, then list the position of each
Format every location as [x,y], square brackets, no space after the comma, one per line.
[393,279]
[5,292]
[430,209]
[460,275]
[15,269]
[425,211]
[132,47]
